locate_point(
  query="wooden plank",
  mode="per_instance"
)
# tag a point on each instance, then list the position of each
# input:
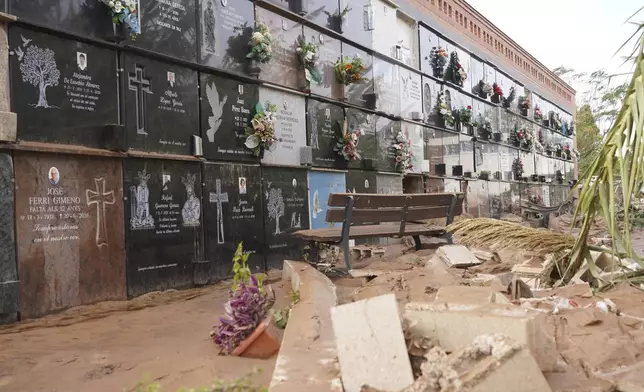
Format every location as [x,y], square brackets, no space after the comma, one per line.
[361,216]
[372,200]
[333,234]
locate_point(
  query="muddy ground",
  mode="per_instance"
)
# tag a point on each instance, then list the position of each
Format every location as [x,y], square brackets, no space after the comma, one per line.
[169,343]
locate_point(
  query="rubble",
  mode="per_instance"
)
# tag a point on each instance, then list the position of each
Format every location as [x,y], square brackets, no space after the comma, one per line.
[457,256]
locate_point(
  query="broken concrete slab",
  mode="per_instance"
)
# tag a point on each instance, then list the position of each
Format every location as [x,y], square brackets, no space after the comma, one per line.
[489,363]
[457,256]
[371,345]
[452,295]
[450,326]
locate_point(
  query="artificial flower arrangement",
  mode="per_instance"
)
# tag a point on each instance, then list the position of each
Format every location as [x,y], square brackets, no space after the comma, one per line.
[125,12]
[349,72]
[438,59]
[484,126]
[558,150]
[346,143]
[445,111]
[261,44]
[247,307]
[567,152]
[497,93]
[518,136]
[549,149]
[261,133]
[517,168]
[538,116]
[404,155]
[524,105]
[507,102]
[465,115]
[455,72]
[484,89]
[535,199]
[556,122]
[308,53]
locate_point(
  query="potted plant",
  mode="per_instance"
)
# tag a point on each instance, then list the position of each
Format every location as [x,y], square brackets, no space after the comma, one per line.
[349,72]
[538,116]
[260,135]
[497,96]
[455,73]
[438,59]
[507,102]
[484,89]
[524,105]
[242,331]
[404,155]
[441,169]
[484,175]
[125,19]
[464,123]
[261,49]
[457,170]
[308,54]
[517,169]
[346,144]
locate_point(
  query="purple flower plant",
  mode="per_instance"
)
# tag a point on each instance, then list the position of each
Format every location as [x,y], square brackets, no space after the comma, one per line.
[247,307]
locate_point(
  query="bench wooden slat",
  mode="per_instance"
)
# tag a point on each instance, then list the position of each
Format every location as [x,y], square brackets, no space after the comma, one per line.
[360,216]
[334,234]
[367,200]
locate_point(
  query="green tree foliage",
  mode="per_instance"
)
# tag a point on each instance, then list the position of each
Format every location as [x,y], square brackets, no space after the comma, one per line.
[589,138]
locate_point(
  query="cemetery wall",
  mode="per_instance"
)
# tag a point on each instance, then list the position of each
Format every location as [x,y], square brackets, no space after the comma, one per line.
[127,170]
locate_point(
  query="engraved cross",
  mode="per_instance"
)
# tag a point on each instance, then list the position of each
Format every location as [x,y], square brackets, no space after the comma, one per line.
[101,198]
[140,84]
[219,198]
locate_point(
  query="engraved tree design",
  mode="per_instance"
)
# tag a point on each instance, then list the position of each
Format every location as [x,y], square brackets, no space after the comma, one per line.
[39,68]
[276,207]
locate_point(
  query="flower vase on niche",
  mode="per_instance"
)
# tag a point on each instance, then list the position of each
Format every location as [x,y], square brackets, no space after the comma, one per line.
[261,49]
[497,137]
[441,169]
[535,178]
[253,68]
[340,91]
[467,174]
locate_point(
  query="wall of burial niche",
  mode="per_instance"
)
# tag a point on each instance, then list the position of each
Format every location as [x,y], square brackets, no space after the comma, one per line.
[96,228]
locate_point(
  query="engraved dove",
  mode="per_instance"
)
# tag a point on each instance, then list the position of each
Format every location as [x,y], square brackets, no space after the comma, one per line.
[19,53]
[217,107]
[25,41]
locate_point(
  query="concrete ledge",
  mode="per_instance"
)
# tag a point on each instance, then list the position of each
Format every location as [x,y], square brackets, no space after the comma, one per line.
[8,126]
[307,358]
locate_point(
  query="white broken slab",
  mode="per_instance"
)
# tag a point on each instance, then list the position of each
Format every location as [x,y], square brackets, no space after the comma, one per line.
[371,345]
[457,256]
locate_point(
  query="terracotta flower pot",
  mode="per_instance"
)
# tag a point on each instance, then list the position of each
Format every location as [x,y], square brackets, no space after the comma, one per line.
[259,345]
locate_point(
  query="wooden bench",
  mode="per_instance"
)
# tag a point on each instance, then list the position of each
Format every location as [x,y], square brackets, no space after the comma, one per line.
[366,215]
[564,208]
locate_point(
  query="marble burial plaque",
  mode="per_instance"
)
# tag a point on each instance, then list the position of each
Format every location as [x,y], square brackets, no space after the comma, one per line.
[431,89]
[434,150]
[367,144]
[321,185]
[168,27]
[358,23]
[290,127]
[359,181]
[226,28]
[69,225]
[161,106]
[163,220]
[62,91]
[389,184]
[88,18]
[323,13]
[329,50]
[9,284]
[411,94]
[359,93]
[385,35]
[428,40]
[452,149]
[386,82]
[283,69]
[483,198]
[286,210]
[324,126]
[414,133]
[227,108]
[469,157]
[386,132]
[233,214]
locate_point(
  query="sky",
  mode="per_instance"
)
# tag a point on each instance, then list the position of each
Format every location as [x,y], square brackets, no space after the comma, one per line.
[579,34]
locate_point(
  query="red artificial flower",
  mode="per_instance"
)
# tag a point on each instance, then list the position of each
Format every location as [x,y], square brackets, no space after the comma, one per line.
[469,107]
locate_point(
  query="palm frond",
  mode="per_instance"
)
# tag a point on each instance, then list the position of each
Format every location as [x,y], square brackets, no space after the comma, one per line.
[622,155]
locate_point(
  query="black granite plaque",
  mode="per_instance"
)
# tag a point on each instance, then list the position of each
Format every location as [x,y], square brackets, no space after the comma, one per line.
[359,93]
[329,52]
[227,108]
[163,222]
[324,126]
[63,91]
[226,28]
[386,131]
[285,211]
[91,18]
[360,181]
[9,285]
[284,66]
[169,27]
[161,105]
[233,214]
[367,145]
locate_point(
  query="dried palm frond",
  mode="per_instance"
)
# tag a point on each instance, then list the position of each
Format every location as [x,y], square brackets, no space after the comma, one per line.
[622,154]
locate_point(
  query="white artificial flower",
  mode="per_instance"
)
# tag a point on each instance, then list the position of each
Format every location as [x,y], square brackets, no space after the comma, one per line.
[257,36]
[298,50]
[308,56]
[110,4]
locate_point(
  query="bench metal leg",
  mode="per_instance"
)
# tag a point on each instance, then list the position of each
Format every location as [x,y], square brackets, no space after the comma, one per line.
[314,253]
[417,242]
[347,255]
